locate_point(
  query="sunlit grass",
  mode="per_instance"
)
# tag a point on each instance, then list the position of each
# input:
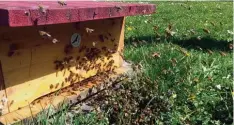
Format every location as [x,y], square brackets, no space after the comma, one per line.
[189,81]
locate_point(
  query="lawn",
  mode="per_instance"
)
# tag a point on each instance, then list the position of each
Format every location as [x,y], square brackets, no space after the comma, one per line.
[185,53]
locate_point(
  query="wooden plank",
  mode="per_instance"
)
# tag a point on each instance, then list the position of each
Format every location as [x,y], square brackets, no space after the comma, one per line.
[32,74]
[69,95]
[51,12]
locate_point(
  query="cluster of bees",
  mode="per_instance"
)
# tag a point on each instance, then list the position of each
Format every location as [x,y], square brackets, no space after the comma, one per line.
[99,59]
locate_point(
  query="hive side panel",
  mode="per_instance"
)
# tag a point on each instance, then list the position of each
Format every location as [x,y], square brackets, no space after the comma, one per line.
[28,59]
[3,102]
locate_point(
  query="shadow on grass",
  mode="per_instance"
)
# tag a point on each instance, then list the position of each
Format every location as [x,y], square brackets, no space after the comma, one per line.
[191,43]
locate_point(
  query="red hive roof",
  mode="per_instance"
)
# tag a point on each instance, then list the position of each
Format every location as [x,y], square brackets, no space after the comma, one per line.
[23,13]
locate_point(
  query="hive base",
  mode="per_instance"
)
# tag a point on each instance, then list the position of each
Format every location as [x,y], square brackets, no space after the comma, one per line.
[69,95]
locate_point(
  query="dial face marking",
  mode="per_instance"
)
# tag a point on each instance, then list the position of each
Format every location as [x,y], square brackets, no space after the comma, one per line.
[75,40]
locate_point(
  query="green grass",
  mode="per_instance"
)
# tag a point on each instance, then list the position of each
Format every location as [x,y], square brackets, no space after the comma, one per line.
[174,88]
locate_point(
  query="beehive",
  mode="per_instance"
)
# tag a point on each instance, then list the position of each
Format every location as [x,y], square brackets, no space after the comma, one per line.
[46,46]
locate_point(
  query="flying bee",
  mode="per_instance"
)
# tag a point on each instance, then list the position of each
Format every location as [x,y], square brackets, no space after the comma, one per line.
[94,44]
[209,51]
[54,41]
[44,34]
[88,30]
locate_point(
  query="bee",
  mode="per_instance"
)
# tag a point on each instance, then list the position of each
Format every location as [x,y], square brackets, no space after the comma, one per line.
[104,48]
[109,56]
[118,8]
[69,59]
[206,30]
[78,58]
[106,37]
[209,51]
[101,38]
[81,89]
[12,48]
[69,78]
[110,51]
[62,3]
[174,60]
[121,54]
[102,59]
[87,50]
[90,91]
[230,46]
[212,23]
[113,39]
[10,53]
[88,30]
[51,86]
[74,89]
[109,34]
[68,49]
[56,86]
[62,84]
[78,98]
[11,102]
[33,103]
[44,34]
[82,48]
[27,13]
[94,14]
[155,54]
[42,9]
[94,44]
[73,93]
[54,40]
[70,101]
[85,58]
[222,53]
[112,61]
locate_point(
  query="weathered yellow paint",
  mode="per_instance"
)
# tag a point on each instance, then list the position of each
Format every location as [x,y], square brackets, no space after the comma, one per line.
[67,95]
[30,72]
